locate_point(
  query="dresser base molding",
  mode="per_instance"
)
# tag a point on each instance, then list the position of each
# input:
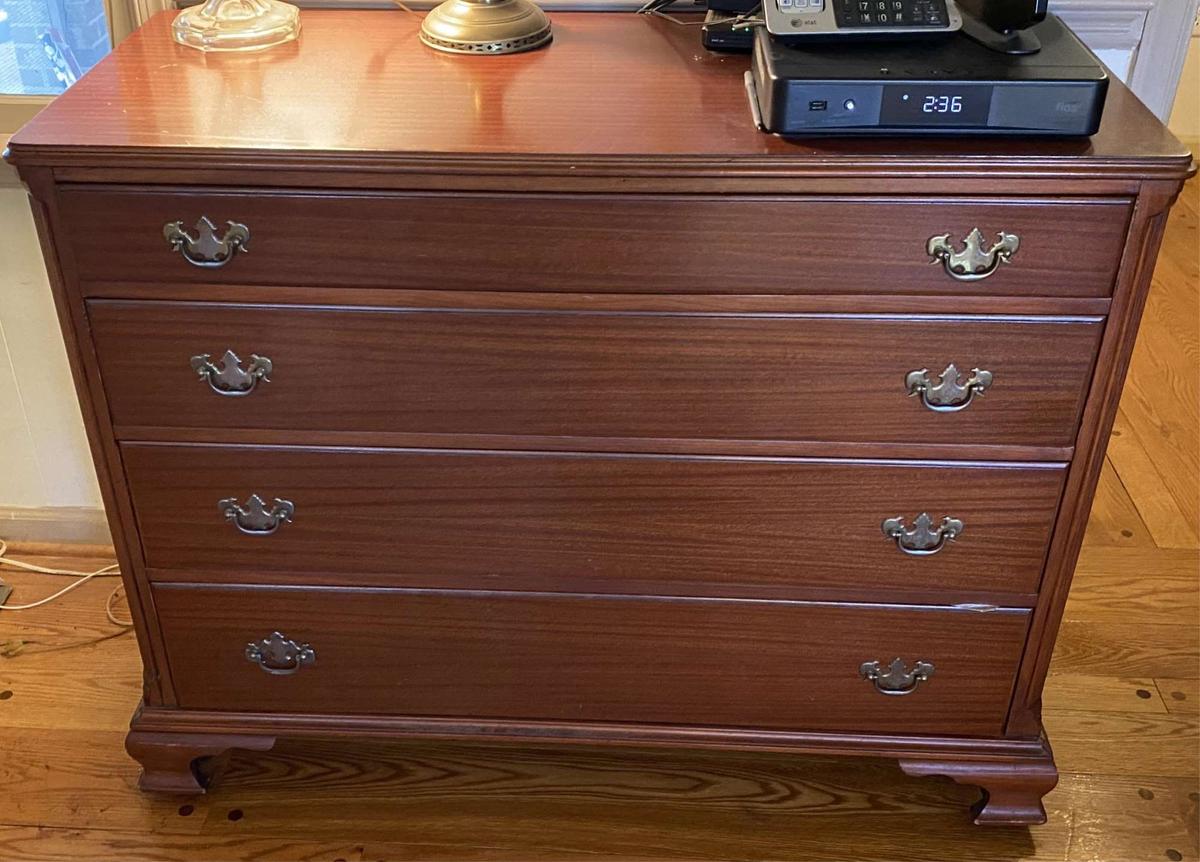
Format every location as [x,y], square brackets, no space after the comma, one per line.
[186,763]
[1012,790]
[181,752]
[165,720]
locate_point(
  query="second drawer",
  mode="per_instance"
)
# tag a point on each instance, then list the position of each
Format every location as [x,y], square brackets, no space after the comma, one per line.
[652,524]
[581,374]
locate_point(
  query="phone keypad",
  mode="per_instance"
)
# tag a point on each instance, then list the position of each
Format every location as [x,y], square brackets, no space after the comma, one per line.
[891,13]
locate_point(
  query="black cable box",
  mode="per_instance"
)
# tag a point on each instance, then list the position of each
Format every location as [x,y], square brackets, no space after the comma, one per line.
[949,86]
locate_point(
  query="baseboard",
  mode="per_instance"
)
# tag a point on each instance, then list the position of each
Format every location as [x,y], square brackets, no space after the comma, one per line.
[54,525]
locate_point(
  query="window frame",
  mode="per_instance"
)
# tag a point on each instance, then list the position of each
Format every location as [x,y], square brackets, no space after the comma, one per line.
[124,16]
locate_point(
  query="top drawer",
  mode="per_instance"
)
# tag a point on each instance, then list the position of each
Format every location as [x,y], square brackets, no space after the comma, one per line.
[586,243]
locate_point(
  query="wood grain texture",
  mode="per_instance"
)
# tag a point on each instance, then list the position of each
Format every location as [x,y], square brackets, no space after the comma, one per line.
[1012,791]
[537,112]
[1161,407]
[1100,693]
[584,523]
[586,243]
[1115,521]
[80,357]
[1143,484]
[1180,695]
[404,158]
[1126,743]
[1126,649]
[1147,226]
[393,801]
[41,844]
[185,763]
[37,645]
[1141,587]
[714,662]
[575,374]
[77,779]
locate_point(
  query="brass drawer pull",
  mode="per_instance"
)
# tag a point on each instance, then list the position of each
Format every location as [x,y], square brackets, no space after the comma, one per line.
[971,262]
[280,656]
[922,540]
[205,250]
[896,680]
[254,519]
[950,393]
[230,379]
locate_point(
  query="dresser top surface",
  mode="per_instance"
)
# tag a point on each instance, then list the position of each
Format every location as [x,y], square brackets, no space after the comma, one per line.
[359,90]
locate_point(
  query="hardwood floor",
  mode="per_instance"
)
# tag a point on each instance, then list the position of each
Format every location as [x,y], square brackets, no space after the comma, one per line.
[1121,707]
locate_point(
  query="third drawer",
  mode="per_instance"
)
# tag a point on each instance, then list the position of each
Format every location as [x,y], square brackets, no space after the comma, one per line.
[593,522]
[835,378]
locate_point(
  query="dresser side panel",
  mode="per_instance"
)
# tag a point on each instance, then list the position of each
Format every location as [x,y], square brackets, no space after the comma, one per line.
[1100,410]
[72,316]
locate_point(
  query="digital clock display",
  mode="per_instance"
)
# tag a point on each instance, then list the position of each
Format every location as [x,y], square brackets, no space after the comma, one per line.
[935,106]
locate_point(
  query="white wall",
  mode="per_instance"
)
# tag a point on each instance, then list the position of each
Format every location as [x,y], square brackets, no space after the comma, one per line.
[44,458]
[1185,118]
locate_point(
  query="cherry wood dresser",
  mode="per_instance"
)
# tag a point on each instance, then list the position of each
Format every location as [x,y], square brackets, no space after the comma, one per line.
[542,397]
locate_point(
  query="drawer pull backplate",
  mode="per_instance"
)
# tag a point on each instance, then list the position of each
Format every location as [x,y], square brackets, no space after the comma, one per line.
[896,679]
[951,393]
[279,655]
[972,262]
[255,519]
[922,539]
[230,378]
[204,249]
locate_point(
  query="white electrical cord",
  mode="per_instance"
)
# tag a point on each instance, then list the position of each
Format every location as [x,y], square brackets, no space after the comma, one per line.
[110,571]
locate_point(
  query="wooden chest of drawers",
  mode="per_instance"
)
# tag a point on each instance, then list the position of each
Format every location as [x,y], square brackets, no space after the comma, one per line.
[546,404]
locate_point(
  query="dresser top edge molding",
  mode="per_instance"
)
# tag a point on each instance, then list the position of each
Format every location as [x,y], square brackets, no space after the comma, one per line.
[617,96]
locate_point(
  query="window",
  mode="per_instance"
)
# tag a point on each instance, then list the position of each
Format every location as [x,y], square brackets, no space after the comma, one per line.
[46,45]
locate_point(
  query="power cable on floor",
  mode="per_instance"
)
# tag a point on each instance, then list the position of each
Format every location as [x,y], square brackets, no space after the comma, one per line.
[110,571]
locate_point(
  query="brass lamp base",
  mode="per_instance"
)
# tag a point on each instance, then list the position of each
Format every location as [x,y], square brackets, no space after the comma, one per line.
[486,27]
[237,25]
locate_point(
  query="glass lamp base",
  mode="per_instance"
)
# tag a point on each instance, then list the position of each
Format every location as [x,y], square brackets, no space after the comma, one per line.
[486,27]
[237,25]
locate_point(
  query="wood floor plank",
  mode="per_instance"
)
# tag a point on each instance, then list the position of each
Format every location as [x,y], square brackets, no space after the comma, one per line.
[429,802]
[1096,693]
[1115,521]
[1124,743]
[1139,475]
[1137,562]
[1126,818]
[36,693]
[82,779]
[1180,695]
[1160,405]
[1126,649]
[459,802]
[42,844]
[73,669]
[1156,450]
[1149,598]
[1170,311]
[63,622]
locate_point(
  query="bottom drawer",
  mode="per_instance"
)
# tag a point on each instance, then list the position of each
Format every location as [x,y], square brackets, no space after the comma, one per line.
[629,659]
